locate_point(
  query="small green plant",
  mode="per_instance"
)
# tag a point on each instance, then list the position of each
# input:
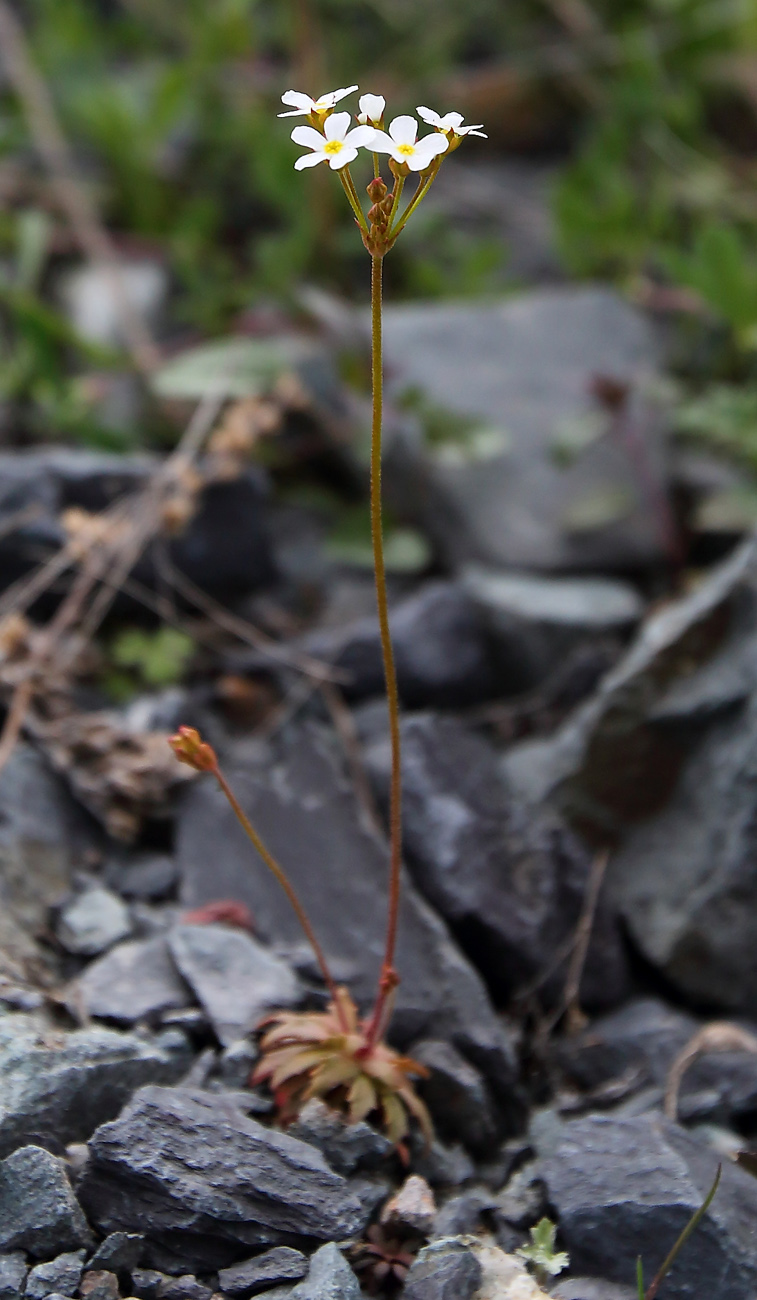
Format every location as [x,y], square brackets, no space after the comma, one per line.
[541,1254]
[336,1054]
[722,270]
[142,659]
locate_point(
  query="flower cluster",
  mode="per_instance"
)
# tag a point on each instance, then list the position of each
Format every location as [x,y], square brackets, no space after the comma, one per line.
[331,138]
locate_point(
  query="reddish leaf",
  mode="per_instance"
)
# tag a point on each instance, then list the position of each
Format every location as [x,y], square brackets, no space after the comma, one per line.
[222,911]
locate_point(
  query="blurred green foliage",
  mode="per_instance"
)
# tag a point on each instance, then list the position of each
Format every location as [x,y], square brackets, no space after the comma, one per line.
[170,106]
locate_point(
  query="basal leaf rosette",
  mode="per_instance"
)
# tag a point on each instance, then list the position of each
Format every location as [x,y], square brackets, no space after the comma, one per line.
[328,1054]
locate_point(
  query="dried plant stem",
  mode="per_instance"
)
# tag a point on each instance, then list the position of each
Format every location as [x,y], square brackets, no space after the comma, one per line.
[388,978]
[278,871]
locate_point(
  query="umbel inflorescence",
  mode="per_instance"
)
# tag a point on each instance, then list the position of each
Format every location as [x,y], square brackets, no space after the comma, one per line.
[337,1054]
[332,138]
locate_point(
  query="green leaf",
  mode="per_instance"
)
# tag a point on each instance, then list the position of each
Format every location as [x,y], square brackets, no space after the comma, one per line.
[233,367]
[158,658]
[541,1252]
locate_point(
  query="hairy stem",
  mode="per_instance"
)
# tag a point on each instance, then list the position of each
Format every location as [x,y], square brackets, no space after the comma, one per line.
[348,185]
[388,978]
[283,879]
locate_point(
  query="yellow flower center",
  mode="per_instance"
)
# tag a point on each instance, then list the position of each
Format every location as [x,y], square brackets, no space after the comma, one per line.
[333,146]
[407,149]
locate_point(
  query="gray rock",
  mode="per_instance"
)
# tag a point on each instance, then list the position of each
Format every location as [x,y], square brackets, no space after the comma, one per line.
[145,876]
[57,1086]
[297,795]
[184,1288]
[205,1181]
[92,921]
[38,1210]
[444,1166]
[624,1188]
[346,1147]
[13,1271]
[59,1276]
[444,654]
[461,1215]
[236,1063]
[510,880]
[522,1201]
[445,1270]
[540,621]
[518,374]
[145,1282]
[411,1210]
[608,765]
[684,880]
[119,1253]
[134,981]
[235,979]
[42,834]
[277,1266]
[457,1096]
[329,1278]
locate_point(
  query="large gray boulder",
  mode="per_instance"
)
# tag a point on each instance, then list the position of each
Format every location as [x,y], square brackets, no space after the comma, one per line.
[199,1178]
[517,375]
[627,1188]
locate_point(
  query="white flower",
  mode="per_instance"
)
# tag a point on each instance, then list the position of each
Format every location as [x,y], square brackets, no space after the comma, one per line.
[338,146]
[303,105]
[450,122]
[401,143]
[371,109]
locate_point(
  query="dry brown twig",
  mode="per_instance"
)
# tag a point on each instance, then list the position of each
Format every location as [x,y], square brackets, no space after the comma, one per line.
[719,1036]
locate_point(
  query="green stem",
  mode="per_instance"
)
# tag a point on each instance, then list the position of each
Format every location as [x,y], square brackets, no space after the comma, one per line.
[399,186]
[420,194]
[348,185]
[693,1223]
[283,879]
[388,978]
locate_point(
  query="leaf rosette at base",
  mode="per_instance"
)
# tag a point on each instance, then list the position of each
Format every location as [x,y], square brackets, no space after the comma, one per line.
[328,1054]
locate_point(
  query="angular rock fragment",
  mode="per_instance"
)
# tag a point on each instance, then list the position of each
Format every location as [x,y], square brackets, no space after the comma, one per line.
[59,1276]
[510,880]
[236,980]
[329,1277]
[624,1188]
[13,1271]
[201,1179]
[346,1147]
[134,981]
[299,798]
[273,1268]
[92,921]
[457,1096]
[38,1210]
[56,1086]
[445,1270]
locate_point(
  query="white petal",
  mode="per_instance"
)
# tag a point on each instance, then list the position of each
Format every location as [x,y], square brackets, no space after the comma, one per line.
[296,112]
[334,96]
[403,130]
[372,107]
[450,121]
[309,160]
[472,131]
[360,137]
[469,130]
[428,115]
[382,143]
[341,159]
[426,150]
[308,136]
[294,97]
[337,126]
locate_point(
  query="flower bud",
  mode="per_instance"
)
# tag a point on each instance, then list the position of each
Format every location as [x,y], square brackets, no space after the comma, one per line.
[376,190]
[189,748]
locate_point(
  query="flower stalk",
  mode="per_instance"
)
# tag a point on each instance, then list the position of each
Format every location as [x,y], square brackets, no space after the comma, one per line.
[336,1054]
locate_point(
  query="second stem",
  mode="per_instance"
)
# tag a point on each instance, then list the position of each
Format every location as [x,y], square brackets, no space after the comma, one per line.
[388,977]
